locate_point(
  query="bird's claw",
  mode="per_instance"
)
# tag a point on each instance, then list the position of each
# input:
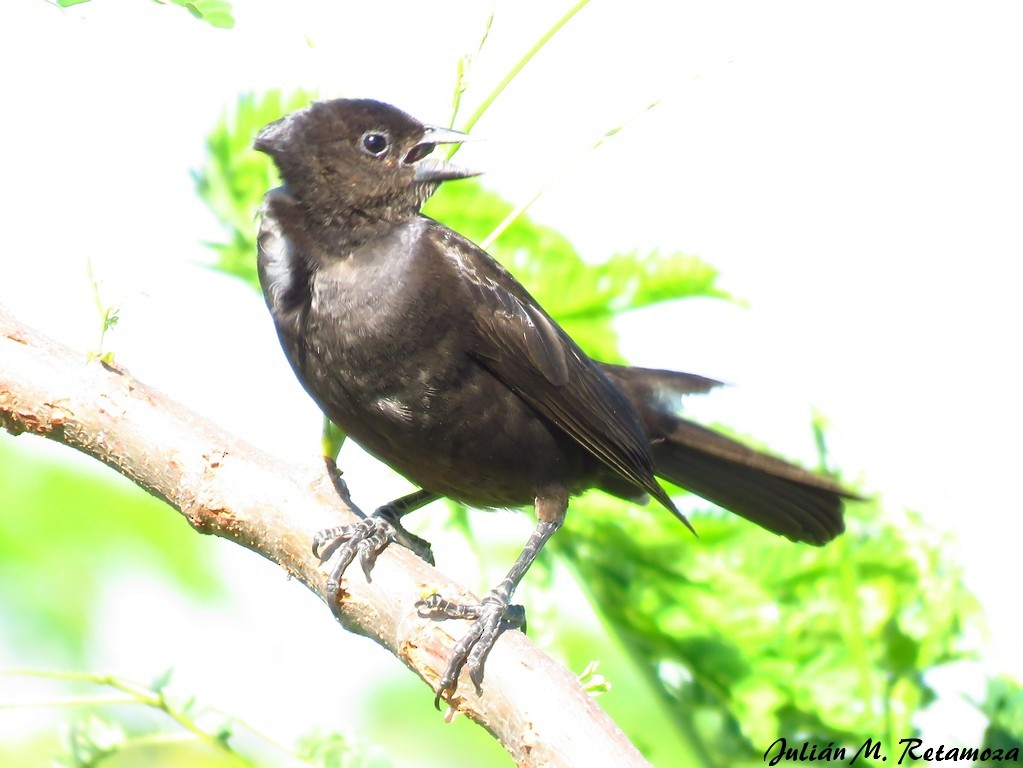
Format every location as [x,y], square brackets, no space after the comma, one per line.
[419,546]
[490,617]
[366,539]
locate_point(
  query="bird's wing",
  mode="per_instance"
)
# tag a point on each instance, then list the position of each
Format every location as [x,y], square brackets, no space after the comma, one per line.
[523,347]
[283,274]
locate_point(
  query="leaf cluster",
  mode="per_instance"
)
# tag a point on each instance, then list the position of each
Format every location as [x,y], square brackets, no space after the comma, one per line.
[235,177]
[91,524]
[1003,707]
[216,13]
[746,637]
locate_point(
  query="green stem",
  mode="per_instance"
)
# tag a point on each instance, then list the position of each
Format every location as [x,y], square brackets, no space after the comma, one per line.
[464,64]
[158,701]
[514,71]
[138,693]
[70,701]
[103,311]
[525,206]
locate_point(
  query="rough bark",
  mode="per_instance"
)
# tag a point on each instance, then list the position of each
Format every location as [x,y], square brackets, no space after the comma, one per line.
[225,487]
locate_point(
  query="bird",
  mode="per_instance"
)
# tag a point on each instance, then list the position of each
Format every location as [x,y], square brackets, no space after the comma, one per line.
[430,355]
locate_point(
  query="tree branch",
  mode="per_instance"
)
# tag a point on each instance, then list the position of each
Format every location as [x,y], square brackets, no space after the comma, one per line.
[225,487]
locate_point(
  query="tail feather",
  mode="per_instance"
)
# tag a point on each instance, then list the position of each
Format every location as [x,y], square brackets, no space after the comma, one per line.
[808,511]
[774,494]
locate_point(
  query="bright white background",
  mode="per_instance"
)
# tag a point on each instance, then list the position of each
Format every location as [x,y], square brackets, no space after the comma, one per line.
[854,170]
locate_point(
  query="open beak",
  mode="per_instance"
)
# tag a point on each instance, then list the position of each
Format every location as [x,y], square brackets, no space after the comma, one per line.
[436,169]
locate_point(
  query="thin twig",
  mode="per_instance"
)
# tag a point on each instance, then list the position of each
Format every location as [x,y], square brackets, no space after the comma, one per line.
[514,71]
[552,180]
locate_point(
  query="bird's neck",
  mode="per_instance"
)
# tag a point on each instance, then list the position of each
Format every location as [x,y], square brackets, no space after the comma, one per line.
[354,227]
[337,221]
[348,226]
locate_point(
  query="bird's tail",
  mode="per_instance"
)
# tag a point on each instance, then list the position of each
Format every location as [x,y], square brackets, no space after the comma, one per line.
[774,494]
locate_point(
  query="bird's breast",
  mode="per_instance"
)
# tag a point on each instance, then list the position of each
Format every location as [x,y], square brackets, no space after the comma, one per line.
[388,341]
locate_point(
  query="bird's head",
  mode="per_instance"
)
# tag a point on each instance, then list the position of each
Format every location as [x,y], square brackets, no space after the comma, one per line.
[358,155]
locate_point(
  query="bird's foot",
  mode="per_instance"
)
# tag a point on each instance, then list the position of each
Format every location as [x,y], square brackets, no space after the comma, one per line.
[366,539]
[490,617]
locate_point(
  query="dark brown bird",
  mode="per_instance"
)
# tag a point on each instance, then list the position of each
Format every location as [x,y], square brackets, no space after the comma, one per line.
[432,357]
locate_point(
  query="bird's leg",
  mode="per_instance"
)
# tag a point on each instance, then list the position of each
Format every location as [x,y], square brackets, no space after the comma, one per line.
[368,537]
[334,473]
[494,613]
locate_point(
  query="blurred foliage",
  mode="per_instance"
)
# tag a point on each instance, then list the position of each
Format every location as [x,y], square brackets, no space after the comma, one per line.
[89,516]
[745,636]
[235,177]
[547,264]
[1004,710]
[216,13]
[334,750]
[121,723]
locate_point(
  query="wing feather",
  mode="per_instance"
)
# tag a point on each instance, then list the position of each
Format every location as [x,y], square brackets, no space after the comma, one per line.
[529,352]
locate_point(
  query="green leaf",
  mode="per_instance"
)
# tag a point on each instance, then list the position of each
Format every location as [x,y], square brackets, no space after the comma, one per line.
[334,750]
[89,742]
[162,680]
[235,177]
[1004,709]
[216,13]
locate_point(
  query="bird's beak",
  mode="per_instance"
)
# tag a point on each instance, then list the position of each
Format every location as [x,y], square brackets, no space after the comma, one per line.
[434,169]
[273,137]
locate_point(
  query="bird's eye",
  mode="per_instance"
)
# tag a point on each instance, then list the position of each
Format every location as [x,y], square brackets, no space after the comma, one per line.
[375,143]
